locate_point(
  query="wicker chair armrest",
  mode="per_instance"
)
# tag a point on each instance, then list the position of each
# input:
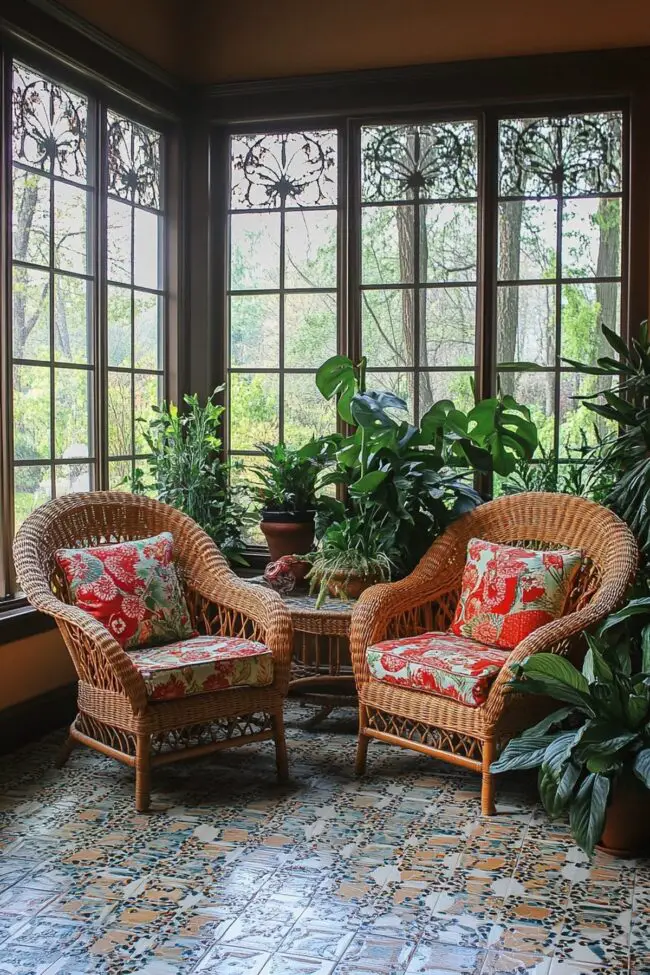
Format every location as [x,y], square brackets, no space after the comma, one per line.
[380,604]
[89,643]
[215,582]
[558,636]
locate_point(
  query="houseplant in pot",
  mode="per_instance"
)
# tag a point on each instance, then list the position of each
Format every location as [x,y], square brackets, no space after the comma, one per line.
[353,553]
[287,494]
[593,753]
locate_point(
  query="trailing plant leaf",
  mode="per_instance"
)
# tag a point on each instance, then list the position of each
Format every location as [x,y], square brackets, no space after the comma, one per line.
[587,811]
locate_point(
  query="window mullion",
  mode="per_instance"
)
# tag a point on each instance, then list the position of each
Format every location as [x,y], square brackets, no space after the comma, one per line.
[6,427]
[100,317]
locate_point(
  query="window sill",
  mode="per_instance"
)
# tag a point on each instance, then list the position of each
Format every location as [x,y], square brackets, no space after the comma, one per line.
[19,620]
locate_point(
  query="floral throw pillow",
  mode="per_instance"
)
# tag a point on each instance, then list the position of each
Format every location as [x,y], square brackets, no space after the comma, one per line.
[132,588]
[509,592]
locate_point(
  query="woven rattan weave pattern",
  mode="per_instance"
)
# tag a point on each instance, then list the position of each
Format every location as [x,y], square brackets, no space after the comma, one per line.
[426,600]
[115,716]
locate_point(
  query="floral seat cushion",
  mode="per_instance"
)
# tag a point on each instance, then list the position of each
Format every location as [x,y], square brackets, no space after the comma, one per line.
[203,664]
[438,663]
[131,587]
[508,592]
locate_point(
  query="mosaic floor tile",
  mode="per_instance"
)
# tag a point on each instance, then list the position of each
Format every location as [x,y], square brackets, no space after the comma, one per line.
[232,874]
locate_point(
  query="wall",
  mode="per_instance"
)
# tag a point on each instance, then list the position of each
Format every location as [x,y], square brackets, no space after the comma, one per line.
[33,666]
[153,28]
[262,39]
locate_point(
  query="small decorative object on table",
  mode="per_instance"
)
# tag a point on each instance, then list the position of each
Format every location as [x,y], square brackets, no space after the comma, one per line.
[281,575]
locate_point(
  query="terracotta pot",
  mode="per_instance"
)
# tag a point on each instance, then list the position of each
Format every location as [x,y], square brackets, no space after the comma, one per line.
[349,586]
[288,537]
[627,823]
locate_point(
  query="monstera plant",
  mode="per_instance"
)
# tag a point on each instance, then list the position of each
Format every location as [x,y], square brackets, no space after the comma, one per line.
[593,753]
[418,475]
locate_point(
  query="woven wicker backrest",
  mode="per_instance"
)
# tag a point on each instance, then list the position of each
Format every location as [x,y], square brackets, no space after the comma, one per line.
[542,521]
[96,518]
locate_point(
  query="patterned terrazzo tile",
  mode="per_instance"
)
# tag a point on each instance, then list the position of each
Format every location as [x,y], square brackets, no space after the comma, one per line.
[596,936]
[432,956]
[228,960]
[20,960]
[374,954]
[281,964]
[515,963]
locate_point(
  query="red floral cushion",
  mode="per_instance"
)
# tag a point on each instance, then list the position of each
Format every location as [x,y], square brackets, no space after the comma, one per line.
[132,588]
[438,663]
[203,664]
[509,592]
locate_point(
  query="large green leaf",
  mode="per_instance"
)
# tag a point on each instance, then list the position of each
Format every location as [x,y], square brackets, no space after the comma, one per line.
[595,667]
[368,483]
[557,760]
[337,377]
[551,719]
[634,607]
[523,752]
[642,766]
[587,811]
[557,677]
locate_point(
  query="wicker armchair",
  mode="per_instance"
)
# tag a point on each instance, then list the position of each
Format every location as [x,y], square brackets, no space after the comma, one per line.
[426,600]
[115,716]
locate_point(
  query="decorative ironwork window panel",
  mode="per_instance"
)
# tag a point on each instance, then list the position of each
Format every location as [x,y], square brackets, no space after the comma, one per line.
[133,162]
[284,170]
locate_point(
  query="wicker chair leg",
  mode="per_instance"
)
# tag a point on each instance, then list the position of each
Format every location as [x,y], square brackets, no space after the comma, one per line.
[64,752]
[142,773]
[488,808]
[281,759]
[362,742]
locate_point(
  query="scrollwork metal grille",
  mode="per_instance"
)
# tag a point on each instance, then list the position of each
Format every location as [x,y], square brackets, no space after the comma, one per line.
[571,155]
[133,162]
[49,126]
[284,169]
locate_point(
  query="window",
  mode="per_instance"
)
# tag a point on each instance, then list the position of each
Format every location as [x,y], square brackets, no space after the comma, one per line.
[427,304]
[419,259]
[87,293]
[559,262]
[283,285]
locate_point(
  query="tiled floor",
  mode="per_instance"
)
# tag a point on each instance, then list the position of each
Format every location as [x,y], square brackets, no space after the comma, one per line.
[393,874]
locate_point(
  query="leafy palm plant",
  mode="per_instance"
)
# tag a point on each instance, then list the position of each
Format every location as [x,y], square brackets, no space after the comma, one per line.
[186,471]
[288,482]
[627,404]
[601,734]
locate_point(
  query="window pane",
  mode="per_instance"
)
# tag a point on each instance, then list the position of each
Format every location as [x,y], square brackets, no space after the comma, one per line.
[147,392]
[133,161]
[254,410]
[30,226]
[306,413]
[70,229]
[119,245]
[120,414]
[309,329]
[73,434]
[146,246]
[585,307]
[284,169]
[526,324]
[432,161]
[32,487]
[119,326]
[72,319]
[119,475]
[571,154]
[455,386]
[527,239]
[448,317]
[31,313]
[591,238]
[147,334]
[578,425]
[254,251]
[72,477]
[255,331]
[388,327]
[387,254]
[448,241]
[311,249]
[49,126]
[32,414]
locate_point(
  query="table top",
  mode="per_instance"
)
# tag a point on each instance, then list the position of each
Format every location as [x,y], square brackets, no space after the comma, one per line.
[302,606]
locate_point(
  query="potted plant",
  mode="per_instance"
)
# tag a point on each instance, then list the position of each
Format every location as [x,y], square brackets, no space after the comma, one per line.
[593,753]
[352,555]
[287,493]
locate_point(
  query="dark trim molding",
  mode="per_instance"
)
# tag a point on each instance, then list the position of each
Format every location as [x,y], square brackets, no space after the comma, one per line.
[543,77]
[19,620]
[51,30]
[34,718]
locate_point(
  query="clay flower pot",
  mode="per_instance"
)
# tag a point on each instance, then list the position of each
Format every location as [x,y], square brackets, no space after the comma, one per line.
[627,822]
[349,586]
[288,534]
